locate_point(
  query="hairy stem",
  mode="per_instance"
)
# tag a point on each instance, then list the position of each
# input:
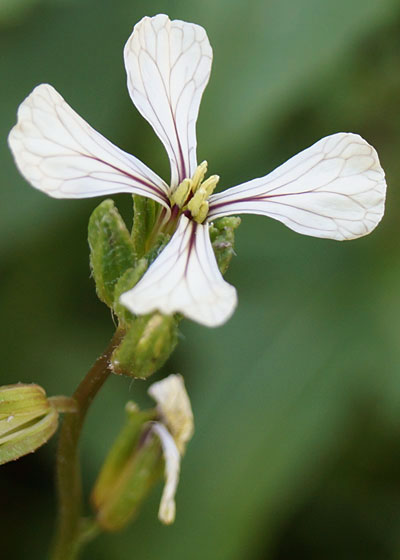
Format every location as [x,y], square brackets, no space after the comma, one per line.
[69,485]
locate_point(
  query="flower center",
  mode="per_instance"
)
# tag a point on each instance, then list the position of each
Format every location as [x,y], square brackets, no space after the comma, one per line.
[191,196]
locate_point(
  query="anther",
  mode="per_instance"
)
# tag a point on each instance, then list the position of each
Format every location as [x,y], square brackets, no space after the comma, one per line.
[199,175]
[181,194]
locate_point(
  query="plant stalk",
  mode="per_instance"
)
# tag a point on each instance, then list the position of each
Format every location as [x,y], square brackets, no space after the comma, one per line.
[69,485]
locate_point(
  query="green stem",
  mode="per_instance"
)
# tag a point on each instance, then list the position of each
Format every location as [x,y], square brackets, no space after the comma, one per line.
[69,485]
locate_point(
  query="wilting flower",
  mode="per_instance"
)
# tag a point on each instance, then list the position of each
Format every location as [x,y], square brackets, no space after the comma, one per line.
[334,189]
[174,432]
[150,439]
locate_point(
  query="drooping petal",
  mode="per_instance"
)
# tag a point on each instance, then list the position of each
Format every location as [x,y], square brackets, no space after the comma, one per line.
[172,458]
[185,278]
[334,189]
[61,154]
[174,406]
[168,64]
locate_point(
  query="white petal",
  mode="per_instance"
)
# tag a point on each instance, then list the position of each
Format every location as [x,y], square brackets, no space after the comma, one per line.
[60,154]
[185,278]
[166,513]
[334,189]
[174,405]
[168,64]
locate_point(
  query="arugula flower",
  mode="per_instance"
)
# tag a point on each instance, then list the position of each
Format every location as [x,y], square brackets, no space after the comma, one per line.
[335,189]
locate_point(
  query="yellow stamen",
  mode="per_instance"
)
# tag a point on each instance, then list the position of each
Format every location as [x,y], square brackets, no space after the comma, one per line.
[210,184]
[195,203]
[199,175]
[196,192]
[202,213]
[198,205]
[180,195]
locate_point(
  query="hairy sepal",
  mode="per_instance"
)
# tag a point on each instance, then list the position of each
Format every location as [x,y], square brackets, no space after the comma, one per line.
[222,235]
[112,251]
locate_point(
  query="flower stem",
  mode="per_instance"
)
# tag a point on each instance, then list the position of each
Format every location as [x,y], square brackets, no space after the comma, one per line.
[69,485]
[63,404]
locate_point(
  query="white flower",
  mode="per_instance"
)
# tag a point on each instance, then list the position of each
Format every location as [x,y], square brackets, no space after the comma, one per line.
[174,432]
[334,189]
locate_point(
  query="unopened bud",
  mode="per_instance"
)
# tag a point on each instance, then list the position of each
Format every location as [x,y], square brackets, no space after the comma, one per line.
[146,346]
[27,420]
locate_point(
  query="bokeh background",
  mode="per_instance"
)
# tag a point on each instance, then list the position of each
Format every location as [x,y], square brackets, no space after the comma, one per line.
[297,398]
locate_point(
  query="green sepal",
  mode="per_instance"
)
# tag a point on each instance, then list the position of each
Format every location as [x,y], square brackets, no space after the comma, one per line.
[132,467]
[27,420]
[222,235]
[22,399]
[140,474]
[145,213]
[159,245]
[120,453]
[127,281]
[30,438]
[146,346]
[111,249]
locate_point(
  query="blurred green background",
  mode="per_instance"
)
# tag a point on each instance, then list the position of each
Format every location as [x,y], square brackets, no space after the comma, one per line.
[297,398]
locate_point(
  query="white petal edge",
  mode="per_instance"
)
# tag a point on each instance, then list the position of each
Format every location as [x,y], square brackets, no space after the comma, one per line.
[335,189]
[174,406]
[185,278]
[172,458]
[60,154]
[168,64]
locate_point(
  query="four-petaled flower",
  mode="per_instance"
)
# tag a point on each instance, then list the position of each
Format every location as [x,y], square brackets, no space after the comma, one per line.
[334,189]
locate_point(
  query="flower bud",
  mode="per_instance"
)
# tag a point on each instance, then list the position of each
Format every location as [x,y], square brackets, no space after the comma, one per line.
[146,346]
[149,442]
[27,420]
